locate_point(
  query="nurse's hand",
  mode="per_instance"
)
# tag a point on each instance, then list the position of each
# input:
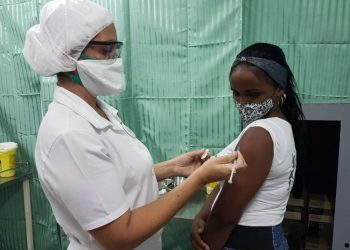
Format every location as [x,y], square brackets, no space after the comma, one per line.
[219,168]
[187,163]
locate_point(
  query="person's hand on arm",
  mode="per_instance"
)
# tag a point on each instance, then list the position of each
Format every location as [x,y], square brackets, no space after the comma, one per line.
[135,226]
[183,165]
[257,147]
[199,222]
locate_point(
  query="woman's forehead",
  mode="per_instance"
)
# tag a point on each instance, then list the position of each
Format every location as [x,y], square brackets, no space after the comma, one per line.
[107,34]
[249,77]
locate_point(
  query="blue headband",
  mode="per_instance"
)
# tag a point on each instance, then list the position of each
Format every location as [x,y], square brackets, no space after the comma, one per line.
[274,70]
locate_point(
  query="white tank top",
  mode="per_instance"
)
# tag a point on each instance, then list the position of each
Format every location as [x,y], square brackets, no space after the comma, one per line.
[268,206]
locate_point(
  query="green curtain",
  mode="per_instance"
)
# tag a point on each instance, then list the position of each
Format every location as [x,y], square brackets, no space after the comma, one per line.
[177,56]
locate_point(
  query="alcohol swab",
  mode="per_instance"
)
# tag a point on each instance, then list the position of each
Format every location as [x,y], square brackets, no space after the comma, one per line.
[204,155]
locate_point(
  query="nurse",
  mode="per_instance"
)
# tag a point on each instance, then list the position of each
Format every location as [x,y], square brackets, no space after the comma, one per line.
[100,180]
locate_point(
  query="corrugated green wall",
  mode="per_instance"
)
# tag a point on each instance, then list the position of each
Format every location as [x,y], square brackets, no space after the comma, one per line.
[315,35]
[177,55]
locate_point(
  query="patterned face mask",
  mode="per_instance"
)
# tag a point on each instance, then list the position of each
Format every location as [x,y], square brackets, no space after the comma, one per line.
[253,111]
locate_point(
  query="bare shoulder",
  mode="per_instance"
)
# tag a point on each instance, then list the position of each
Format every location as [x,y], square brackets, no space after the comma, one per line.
[257,147]
[255,138]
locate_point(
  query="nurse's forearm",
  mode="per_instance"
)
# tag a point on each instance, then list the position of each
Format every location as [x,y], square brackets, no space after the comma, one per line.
[135,226]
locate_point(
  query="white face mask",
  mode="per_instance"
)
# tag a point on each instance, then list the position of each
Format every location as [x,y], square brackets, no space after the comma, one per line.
[102,77]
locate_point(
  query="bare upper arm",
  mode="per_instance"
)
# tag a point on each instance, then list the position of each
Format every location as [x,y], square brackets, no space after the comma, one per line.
[111,235]
[257,148]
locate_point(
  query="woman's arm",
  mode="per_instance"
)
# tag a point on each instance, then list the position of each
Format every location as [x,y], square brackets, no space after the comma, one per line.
[257,147]
[135,226]
[205,210]
[199,221]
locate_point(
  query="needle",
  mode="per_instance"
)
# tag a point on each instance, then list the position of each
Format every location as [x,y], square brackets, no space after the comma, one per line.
[233,169]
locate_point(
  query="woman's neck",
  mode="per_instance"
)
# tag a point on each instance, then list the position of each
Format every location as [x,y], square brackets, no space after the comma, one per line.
[80,91]
[277,113]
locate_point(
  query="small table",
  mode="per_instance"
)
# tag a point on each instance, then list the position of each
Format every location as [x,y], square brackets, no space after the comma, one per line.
[23,175]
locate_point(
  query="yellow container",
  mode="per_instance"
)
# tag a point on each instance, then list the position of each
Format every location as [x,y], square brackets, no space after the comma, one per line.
[7,159]
[210,187]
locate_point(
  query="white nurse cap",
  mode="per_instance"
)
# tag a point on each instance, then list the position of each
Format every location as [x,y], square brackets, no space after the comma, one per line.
[65,28]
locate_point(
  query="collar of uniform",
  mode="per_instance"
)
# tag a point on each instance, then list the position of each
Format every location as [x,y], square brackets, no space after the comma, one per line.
[109,110]
[79,106]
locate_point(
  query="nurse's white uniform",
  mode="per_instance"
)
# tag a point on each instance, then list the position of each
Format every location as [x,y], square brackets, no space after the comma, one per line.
[92,170]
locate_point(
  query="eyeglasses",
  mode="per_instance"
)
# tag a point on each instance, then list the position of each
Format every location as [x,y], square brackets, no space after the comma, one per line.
[109,49]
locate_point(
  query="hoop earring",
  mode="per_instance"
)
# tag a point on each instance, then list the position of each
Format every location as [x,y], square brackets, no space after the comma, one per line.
[282,99]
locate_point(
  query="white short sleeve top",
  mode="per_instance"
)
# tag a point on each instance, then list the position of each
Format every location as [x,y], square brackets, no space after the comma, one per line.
[92,170]
[268,206]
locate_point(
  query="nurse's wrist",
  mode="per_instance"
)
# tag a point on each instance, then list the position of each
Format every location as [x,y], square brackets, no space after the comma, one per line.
[177,171]
[171,168]
[197,177]
[164,170]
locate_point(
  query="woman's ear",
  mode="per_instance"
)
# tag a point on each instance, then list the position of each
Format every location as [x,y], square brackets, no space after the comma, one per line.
[280,92]
[281,96]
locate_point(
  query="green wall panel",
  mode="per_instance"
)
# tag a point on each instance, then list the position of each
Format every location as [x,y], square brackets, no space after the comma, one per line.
[316,38]
[211,22]
[8,117]
[160,119]
[209,67]
[298,21]
[177,55]
[319,78]
[214,123]
[168,60]
[28,115]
